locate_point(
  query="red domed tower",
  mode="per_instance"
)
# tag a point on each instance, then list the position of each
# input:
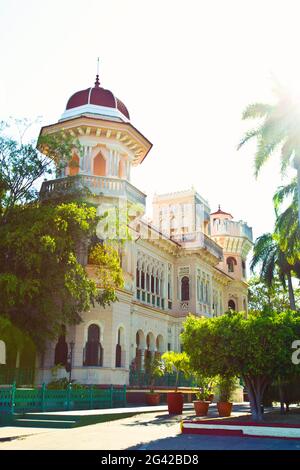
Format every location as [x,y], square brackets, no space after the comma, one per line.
[110,146]
[96,101]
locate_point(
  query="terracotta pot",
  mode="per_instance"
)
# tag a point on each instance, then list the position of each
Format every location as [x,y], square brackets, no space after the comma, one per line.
[224,408]
[175,403]
[152,399]
[201,407]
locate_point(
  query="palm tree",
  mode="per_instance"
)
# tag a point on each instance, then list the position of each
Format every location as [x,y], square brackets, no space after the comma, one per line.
[287,228]
[278,129]
[272,261]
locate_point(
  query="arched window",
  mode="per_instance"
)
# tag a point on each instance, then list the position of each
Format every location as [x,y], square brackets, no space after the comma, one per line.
[230,264]
[93,351]
[99,165]
[118,355]
[74,165]
[121,169]
[61,349]
[119,347]
[231,305]
[244,268]
[185,288]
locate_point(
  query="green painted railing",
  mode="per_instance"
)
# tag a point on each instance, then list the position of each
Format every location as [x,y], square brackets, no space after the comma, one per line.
[20,400]
[141,378]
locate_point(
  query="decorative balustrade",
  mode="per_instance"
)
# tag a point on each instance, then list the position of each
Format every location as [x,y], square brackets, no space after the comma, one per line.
[231,228]
[201,240]
[98,185]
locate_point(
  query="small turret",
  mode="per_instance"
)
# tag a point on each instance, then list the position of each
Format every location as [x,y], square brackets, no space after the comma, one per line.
[235,237]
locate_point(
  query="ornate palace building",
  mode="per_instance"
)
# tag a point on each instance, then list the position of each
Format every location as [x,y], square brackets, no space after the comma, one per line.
[186,259]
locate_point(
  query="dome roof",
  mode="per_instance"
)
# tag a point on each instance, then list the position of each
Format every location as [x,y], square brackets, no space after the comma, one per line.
[220,212]
[96,96]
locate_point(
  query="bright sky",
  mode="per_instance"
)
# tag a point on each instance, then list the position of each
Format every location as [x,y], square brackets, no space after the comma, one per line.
[185,70]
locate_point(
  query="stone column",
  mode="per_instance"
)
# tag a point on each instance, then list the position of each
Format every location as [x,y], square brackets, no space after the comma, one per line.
[88,167]
[142,359]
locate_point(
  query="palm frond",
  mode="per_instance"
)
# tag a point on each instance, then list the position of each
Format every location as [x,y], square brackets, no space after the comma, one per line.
[263,247]
[247,136]
[257,110]
[263,153]
[283,192]
[287,152]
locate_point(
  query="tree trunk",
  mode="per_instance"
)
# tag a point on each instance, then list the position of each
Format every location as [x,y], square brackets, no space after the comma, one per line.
[281,398]
[256,387]
[291,292]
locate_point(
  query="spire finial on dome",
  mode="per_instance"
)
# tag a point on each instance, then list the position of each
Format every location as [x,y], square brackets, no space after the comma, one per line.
[97,82]
[219,207]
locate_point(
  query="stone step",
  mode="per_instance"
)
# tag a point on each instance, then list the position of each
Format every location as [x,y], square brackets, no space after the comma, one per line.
[39,423]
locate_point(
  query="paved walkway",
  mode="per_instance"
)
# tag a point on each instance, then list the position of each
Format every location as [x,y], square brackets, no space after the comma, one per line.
[155,430]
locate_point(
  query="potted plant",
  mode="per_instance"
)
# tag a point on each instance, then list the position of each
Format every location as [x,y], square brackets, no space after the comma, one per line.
[177,362]
[154,368]
[227,385]
[204,395]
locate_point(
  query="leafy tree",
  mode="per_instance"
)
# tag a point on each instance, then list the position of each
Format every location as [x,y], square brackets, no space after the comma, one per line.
[178,362]
[262,297]
[16,341]
[278,128]
[256,348]
[273,261]
[22,164]
[287,228]
[42,281]
[42,284]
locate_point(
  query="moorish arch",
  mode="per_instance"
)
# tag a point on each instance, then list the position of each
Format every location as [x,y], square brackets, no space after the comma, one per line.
[74,165]
[61,349]
[160,345]
[99,165]
[231,304]
[93,350]
[140,347]
[121,169]
[120,347]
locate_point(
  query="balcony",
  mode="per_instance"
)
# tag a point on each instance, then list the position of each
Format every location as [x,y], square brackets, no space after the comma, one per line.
[194,240]
[97,185]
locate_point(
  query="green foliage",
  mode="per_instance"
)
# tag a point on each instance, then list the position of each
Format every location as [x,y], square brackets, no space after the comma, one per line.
[62,384]
[16,341]
[256,348]
[278,127]
[262,297]
[43,283]
[226,385]
[154,367]
[206,386]
[273,264]
[22,164]
[108,271]
[287,228]
[178,362]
